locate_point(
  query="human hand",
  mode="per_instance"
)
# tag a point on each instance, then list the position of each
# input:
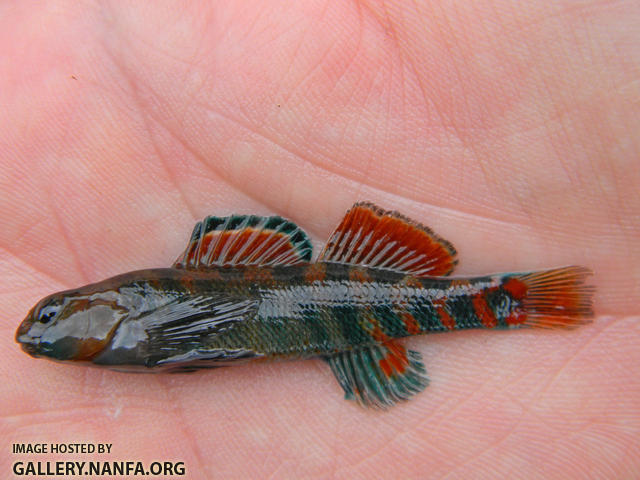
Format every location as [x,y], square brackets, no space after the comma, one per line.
[511,130]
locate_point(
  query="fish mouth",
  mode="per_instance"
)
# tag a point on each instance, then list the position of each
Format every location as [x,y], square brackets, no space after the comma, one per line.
[28,342]
[28,345]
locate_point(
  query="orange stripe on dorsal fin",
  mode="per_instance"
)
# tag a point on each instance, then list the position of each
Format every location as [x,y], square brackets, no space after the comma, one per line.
[247,240]
[372,237]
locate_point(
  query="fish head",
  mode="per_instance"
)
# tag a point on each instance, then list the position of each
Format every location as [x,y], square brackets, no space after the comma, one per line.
[71,325]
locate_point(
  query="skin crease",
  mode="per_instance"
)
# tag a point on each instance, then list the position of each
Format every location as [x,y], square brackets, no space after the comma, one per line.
[510,128]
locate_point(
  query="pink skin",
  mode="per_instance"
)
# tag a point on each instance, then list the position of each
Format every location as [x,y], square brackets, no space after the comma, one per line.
[510,128]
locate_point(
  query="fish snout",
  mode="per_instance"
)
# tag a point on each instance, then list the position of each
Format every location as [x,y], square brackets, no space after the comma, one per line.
[24,327]
[25,338]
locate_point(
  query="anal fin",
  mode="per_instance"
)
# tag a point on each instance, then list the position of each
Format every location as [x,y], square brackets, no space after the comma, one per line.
[378,376]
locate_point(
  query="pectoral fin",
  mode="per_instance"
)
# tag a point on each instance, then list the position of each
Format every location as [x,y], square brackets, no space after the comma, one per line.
[177,333]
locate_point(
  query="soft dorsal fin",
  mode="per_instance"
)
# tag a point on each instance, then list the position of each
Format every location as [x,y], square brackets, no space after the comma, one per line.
[370,236]
[380,375]
[245,240]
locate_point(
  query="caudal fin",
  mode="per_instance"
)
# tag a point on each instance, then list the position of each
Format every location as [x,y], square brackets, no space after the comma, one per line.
[556,298]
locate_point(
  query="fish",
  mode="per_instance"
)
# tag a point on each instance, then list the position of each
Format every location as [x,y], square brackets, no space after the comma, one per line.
[245,290]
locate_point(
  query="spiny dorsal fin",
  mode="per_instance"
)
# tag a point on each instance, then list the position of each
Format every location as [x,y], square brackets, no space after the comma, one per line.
[380,375]
[373,237]
[245,240]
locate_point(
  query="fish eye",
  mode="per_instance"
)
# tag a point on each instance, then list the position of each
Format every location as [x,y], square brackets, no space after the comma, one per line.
[48,313]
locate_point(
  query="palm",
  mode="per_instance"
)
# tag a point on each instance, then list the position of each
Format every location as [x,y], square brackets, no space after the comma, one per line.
[514,137]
